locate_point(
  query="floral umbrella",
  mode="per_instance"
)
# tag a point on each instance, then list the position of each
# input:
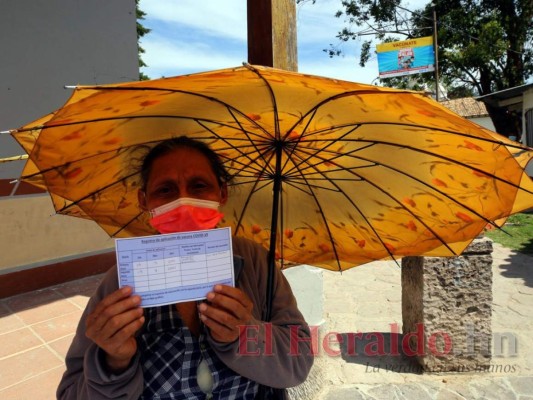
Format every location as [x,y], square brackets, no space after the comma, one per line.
[326,172]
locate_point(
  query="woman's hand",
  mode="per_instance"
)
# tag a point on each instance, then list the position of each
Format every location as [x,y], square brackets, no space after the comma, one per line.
[112,326]
[226,308]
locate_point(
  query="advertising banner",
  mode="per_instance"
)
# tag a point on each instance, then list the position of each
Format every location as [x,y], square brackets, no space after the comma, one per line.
[407,57]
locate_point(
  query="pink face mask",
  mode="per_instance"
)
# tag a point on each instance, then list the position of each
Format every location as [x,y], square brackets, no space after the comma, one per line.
[186,214]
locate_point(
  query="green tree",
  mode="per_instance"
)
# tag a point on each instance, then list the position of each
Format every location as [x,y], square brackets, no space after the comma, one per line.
[483,45]
[141,31]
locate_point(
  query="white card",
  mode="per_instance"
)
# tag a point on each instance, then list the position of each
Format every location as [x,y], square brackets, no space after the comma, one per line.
[175,267]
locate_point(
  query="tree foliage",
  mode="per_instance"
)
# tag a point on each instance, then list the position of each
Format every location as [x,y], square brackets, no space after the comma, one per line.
[141,31]
[485,45]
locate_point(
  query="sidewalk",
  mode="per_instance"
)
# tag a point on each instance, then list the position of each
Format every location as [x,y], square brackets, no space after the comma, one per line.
[368,299]
[36,329]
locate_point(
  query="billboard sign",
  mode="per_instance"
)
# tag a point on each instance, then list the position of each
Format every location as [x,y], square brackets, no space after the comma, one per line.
[413,56]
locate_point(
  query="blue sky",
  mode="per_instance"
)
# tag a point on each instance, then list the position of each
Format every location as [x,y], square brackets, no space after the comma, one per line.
[192,36]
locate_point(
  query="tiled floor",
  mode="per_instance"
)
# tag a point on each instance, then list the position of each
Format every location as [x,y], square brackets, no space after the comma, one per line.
[36,329]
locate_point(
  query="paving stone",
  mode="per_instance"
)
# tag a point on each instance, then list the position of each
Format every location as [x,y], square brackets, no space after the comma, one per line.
[352,393]
[415,391]
[386,392]
[522,385]
[494,388]
[446,394]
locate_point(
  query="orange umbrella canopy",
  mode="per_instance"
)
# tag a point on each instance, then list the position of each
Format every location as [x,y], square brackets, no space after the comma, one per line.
[343,173]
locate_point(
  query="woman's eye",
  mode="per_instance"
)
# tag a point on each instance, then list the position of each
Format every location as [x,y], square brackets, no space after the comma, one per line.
[164,190]
[199,185]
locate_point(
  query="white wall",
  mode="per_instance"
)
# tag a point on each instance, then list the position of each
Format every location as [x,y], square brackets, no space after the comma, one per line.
[32,235]
[307,284]
[485,122]
[46,44]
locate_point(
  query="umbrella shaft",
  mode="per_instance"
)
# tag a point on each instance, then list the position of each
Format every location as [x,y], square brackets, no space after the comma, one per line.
[273,233]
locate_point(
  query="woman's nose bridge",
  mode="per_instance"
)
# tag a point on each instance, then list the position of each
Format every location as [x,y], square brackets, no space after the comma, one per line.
[182,189]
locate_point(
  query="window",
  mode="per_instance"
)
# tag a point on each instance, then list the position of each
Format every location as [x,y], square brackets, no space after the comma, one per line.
[529,128]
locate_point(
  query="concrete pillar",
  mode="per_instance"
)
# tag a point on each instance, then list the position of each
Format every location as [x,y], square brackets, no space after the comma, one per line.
[307,284]
[447,309]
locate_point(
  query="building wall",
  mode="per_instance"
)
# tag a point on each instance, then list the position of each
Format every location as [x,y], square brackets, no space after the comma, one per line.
[32,235]
[45,45]
[485,122]
[526,106]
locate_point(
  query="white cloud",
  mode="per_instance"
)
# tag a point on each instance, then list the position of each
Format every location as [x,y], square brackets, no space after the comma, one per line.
[225,19]
[341,68]
[169,57]
[317,22]
[193,36]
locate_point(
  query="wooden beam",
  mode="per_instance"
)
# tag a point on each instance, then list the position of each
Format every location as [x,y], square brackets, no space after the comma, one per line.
[272,39]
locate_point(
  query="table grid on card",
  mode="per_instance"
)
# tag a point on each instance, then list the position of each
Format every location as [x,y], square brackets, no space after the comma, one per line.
[185,266]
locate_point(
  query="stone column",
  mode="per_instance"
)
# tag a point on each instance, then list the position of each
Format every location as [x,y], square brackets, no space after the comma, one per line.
[447,309]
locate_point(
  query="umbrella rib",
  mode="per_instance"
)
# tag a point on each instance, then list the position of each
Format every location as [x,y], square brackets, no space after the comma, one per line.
[272,99]
[126,117]
[126,224]
[298,186]
[232,110]
[281,250]
[421,182]
[248,199]
[396,201]
[359,124]
[415,149]
[331,160]
[66,164]
[253,142]
[315,108]
[324,148]
[418,127]
[389,195]
[186,92]
[231,146]
[428,186]
[313,195]
[295,144]
[76,202]
[409,211]
[375,92]
[242,182]
[368,221]
[360,213]
[133,146]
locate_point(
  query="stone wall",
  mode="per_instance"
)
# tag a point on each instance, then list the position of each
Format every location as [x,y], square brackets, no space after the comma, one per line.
[447,309]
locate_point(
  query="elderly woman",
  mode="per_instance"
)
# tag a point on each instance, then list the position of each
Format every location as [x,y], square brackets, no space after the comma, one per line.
[190,350]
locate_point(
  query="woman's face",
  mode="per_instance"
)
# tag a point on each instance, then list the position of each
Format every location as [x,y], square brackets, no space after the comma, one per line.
[183,172]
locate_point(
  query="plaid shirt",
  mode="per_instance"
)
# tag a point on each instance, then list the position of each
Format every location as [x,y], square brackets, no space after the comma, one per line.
[170,356]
